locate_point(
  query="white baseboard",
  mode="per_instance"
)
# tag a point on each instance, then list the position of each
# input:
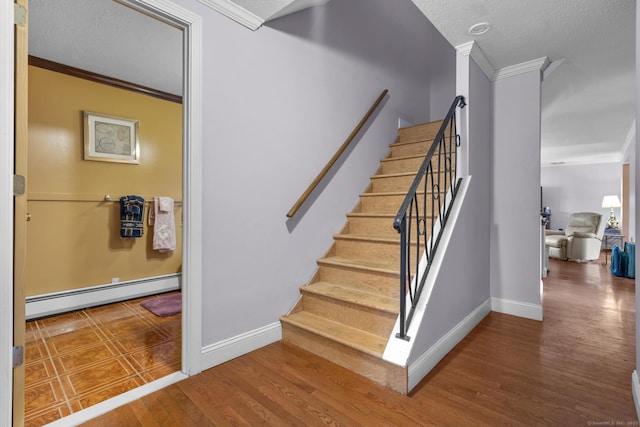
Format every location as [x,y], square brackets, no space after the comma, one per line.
[425,363]
[223,351]
[517,308]
[62,302]
[635,390]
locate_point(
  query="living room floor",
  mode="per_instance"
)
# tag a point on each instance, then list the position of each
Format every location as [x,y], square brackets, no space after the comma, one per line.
[78,359]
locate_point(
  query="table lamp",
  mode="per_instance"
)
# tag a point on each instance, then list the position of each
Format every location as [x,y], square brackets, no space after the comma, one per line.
[611,202]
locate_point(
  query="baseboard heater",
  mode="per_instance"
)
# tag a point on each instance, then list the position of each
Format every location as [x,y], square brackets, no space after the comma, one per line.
[61,302]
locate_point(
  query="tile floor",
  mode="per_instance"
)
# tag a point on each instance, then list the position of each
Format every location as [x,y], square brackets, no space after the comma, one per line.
[78,359]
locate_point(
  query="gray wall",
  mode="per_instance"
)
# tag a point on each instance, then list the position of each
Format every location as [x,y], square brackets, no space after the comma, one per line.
[278,102]
[442,82]
[579,188]
[515,233]
[480,167]
[463,280]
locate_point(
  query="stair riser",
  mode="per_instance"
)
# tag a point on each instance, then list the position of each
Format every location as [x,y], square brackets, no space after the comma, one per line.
[402,184]
[375,227]
[416,133]
[392,183]
[387,204]
[417,148]
[370,281]
[379,371]
[371,320]
[411,164]
[414,149]
[368,250]
[401,165]
[382,227]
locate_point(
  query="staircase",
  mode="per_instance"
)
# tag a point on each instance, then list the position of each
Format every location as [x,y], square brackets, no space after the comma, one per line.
[348,310]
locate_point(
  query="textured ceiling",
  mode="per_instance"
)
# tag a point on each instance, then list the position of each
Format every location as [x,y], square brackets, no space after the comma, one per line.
[107,38]
[588,102]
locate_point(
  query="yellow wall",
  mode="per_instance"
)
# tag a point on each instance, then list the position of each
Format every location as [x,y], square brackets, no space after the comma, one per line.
[74,236]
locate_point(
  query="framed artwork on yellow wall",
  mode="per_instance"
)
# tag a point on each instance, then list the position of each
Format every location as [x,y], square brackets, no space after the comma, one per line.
[110,138]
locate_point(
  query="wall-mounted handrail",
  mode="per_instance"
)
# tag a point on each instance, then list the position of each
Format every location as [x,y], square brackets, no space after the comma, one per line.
[335,157]
[417,217]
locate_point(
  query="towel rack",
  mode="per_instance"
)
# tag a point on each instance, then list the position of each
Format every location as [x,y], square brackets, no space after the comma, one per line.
[80,197]
[147,200]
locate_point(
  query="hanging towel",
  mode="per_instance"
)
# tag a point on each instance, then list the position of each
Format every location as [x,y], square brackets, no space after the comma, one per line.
[131,216]
[163,221]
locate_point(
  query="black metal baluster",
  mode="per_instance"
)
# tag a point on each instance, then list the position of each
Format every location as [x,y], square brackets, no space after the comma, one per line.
[446,172]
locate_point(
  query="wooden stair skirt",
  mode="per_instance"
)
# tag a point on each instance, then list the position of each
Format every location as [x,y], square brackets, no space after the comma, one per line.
[348,310]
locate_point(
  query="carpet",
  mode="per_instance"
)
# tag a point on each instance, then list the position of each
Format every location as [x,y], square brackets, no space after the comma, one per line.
[166,305]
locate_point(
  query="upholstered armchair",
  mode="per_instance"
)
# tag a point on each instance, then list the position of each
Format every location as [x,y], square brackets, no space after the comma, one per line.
[580,241]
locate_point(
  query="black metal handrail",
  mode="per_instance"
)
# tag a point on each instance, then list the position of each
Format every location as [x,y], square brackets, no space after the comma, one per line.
[440,175]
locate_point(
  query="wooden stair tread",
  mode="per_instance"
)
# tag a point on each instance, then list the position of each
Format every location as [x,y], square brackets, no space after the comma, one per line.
[369,238]
[352,296]
[400,158]
[375,265]
[372,215]
[421,126]
[375,215]
[358,339]
[393,175]
[398,143]
[366,238]
[391,193]
[409,157]
[419,140]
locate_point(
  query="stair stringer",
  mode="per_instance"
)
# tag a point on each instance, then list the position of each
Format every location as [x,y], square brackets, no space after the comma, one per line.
[416,354]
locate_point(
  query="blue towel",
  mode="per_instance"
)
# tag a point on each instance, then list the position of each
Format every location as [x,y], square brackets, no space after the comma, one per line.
[131,216]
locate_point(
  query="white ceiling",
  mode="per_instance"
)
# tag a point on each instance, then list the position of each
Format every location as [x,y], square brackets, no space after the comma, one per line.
[588,106]
[107,38]
[588,100]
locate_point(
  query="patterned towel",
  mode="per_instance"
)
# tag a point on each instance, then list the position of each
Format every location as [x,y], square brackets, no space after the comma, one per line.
[131,216]
[161,217]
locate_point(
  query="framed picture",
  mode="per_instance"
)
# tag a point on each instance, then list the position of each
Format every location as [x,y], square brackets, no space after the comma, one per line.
[110,139]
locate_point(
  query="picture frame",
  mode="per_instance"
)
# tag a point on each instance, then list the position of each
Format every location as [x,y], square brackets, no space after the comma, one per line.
[110,138]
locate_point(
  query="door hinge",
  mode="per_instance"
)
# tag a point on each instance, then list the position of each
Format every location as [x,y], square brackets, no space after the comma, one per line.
[18,185]
[18,356]
[19,15]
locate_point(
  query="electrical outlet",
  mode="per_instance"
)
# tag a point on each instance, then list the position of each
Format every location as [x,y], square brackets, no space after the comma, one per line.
[115,279]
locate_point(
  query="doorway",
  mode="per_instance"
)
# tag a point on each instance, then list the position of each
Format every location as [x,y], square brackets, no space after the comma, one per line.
[191,266]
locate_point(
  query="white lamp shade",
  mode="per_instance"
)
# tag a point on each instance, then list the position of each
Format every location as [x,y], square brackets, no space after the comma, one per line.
[611,202]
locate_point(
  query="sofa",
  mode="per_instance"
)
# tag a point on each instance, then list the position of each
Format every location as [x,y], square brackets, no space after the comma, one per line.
[580,241]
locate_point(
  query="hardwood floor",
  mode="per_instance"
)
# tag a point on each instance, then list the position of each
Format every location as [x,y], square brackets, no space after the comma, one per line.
[573,369]
[78,359]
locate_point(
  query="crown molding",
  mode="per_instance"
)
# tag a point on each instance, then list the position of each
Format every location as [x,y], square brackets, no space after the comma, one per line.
[34,61]
[553,65]
[235,12]
[513,70]
[473,50]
